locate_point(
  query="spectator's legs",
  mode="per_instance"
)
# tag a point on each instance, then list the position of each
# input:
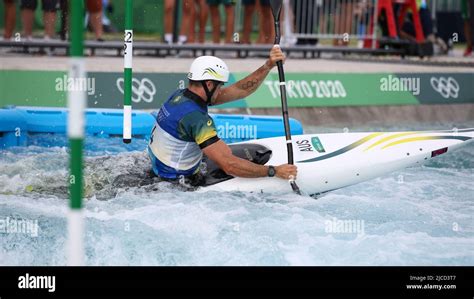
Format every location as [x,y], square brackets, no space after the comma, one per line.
[49,8]
[216,24]
[64,7]
[27,17]
[266,25]
[169,15]
[49,19]
[187,22]
[203,13]
[260,39]
[247,27]
[343,20]
[199,16]
[192,22]
[28,8]
[96,23]
[10,18]
[321,12]
[230,19]
[349,18]
[95,12]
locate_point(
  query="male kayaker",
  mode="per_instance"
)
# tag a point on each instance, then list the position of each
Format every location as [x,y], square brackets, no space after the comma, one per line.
[184,130]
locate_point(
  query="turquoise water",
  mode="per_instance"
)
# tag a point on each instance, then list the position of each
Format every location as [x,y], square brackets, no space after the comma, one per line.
[418,216]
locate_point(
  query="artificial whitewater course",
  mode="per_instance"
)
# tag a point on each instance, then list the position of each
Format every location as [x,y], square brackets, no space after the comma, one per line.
[366,208]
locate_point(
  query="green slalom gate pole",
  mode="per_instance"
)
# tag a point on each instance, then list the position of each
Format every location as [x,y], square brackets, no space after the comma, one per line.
[127,72]
[76,105]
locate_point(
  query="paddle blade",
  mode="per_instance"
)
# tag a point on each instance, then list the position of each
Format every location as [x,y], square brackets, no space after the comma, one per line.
[295,188]
[276,8]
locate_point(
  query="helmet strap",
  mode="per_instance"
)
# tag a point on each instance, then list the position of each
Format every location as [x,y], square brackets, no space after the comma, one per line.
[209,93]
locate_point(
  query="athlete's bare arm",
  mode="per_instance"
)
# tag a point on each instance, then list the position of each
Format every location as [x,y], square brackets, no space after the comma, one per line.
[249,84]
[221,153]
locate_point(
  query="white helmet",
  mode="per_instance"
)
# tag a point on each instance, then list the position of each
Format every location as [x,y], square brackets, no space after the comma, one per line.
[208,68]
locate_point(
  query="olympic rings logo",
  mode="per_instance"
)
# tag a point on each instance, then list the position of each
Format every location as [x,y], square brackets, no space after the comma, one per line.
[447,87]
[143,90]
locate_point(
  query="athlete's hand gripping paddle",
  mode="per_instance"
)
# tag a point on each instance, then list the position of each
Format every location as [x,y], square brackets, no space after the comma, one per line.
[276,9]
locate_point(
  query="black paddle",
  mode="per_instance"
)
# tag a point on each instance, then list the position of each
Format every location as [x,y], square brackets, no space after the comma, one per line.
[276,9]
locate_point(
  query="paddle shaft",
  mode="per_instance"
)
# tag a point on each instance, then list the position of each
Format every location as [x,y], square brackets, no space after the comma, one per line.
[276,8]
[284,102]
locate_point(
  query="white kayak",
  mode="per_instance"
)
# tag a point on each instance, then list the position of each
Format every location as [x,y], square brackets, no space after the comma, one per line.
[331,161]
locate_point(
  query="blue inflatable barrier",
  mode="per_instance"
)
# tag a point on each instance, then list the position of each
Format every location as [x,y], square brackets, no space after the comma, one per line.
[104,122]
[13,128]
[16,123]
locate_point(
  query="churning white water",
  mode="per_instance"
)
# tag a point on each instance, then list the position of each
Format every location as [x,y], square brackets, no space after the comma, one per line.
[418,216]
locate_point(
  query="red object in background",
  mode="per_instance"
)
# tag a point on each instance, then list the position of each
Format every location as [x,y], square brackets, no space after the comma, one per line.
[439,152]
[406,5]
[387,6]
